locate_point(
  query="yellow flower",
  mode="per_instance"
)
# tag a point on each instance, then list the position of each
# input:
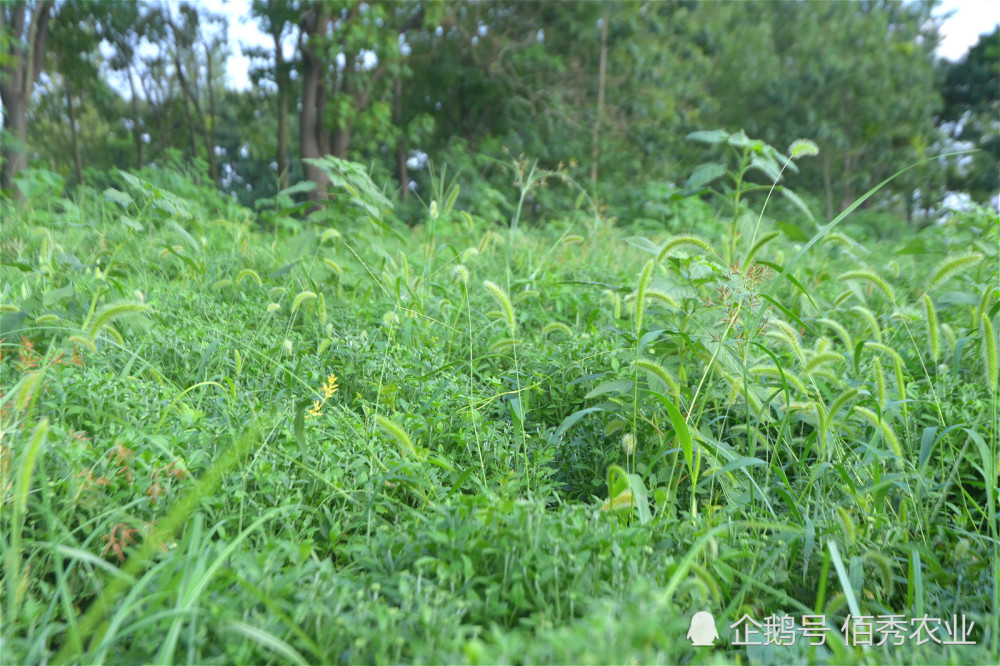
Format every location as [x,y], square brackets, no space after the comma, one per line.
[328,388]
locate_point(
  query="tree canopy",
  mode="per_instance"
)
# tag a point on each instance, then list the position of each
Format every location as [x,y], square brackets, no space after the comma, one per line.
[576,85]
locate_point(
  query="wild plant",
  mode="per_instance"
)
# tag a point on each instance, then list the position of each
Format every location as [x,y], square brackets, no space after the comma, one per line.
[308,429]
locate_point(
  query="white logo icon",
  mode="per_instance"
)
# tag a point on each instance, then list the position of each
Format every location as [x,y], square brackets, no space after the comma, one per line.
[702,631]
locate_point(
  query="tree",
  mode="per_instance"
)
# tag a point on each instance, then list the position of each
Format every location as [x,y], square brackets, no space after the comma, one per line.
[971,92]
[188,65]
[74,47]
[123,25]
[314,139]
[350,52]
[278,19]
[857,77]
[25,27]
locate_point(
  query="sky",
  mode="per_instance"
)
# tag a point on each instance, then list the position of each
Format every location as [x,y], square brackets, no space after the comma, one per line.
[969,19]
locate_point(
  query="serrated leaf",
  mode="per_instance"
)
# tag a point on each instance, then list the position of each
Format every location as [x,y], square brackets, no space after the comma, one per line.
[130,223]
[708,136]
[740,140]
[704,174]
[767,166]
[70,260]
[299,188]
[124,199]
[53,296]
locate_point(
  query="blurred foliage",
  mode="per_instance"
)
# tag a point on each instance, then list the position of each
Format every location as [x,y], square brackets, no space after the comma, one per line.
[475,85]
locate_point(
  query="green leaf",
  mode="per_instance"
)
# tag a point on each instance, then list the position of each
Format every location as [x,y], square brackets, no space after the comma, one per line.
[794,232]
[741,140]
[130,223]
[570,420]
[121,198]
[767,166]
[704,174]
[708,136]
[54,296]
[620,481]
[70,260]
[302,244]
[740,463]
[799,203]
[643,244]
[682,431]
[12,322]
[298,427]
[958,298]
[616,386]
[284,270]
[187,260]
[300,187]
[915,246]
[183,233]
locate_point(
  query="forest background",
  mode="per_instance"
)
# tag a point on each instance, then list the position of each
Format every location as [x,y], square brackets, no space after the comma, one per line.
[607,91]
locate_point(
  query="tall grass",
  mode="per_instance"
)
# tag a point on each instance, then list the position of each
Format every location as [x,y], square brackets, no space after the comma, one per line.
[349,441]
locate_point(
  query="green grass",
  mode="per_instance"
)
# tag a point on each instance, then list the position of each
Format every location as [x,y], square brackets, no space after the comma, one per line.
[549,444]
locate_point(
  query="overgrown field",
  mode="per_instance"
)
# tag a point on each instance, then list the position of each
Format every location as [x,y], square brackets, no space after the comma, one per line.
[244,437]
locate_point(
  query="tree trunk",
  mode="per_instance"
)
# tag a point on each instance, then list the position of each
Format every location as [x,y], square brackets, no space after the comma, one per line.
[193,99]
[74,140]
[322,129]
[155,105]
[281,78]
[136,125]
[848,180]
[190,126]
[209,125]
[314,28]
[342,140]
[14,156]
[827,186]
[601,71]
[18,74]
[397,120]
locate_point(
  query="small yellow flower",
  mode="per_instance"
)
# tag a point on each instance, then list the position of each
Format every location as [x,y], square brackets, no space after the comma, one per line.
[327,389]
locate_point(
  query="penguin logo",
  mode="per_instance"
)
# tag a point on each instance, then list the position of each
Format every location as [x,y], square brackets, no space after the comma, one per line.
[702,631]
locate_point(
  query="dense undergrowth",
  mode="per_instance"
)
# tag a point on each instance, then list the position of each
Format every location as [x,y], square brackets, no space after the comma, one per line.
[239,437]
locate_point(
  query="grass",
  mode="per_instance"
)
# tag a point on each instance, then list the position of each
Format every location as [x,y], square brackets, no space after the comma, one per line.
[347,441]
